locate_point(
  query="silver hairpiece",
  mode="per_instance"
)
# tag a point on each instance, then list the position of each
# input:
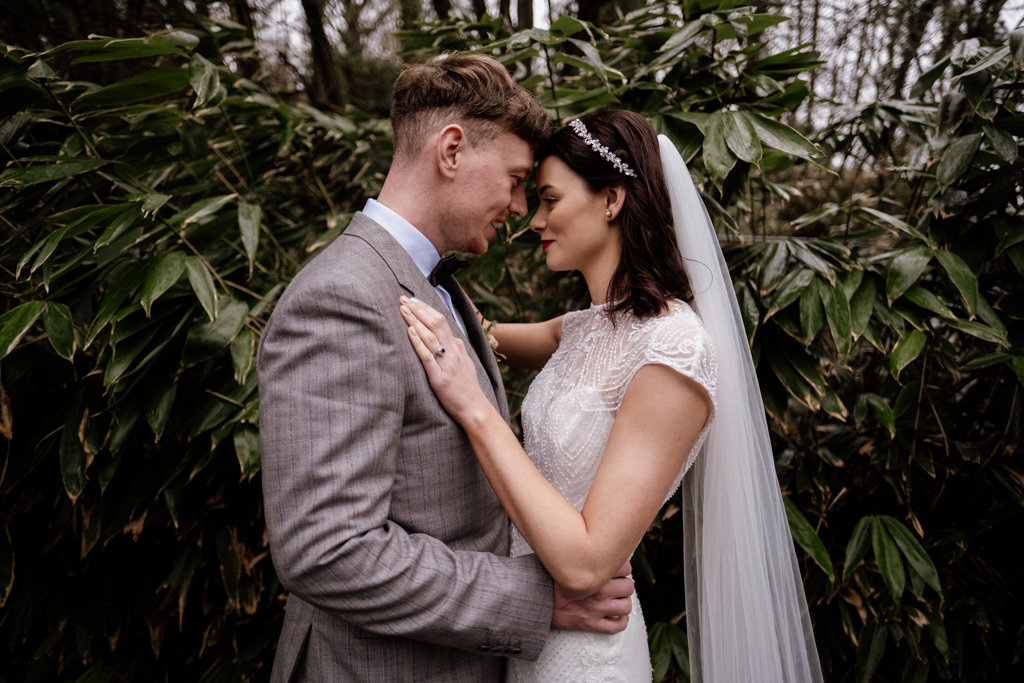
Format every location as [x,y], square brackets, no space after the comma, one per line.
[581,130]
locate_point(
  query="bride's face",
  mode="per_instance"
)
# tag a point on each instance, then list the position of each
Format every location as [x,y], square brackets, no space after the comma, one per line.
[574,230]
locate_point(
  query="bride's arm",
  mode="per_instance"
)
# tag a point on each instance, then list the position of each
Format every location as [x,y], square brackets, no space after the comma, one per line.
[660,418]
[527,345]
[524,345]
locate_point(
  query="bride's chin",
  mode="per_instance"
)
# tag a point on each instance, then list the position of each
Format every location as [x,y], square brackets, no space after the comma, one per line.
[554,266]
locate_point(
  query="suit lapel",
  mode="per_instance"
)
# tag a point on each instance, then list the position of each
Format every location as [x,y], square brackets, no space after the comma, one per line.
[478,340]
[414,282]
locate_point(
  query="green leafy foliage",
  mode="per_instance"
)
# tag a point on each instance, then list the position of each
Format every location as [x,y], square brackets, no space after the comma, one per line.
[150,224]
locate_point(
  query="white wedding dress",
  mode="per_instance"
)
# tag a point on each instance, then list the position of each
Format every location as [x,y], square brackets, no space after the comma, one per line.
[567,417]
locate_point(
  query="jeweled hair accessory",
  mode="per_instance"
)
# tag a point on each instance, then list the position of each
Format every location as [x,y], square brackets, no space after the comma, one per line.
[621,166]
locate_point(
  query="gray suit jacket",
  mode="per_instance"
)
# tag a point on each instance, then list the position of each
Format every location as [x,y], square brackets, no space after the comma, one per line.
[382,527]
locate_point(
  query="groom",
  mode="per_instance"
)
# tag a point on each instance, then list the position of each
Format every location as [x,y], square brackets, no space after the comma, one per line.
[382,527]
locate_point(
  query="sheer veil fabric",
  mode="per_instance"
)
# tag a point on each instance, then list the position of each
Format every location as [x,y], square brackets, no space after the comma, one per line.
[746,614]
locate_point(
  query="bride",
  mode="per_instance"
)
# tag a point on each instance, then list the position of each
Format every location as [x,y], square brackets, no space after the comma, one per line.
[652,382]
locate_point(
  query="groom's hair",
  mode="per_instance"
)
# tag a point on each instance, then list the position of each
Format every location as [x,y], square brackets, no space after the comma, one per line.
[474,91]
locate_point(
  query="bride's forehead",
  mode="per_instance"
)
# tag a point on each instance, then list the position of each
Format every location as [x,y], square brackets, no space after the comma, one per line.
[553,170]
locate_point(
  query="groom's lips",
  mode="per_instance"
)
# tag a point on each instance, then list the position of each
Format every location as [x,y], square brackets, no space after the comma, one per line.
[544,244]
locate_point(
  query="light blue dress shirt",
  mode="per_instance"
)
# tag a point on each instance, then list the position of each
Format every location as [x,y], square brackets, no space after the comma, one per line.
[415,243]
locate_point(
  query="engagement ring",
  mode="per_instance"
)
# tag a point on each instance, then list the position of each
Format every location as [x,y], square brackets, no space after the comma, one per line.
[440,352]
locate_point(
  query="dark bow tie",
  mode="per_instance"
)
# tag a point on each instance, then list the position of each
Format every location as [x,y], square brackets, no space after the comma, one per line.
[445,268]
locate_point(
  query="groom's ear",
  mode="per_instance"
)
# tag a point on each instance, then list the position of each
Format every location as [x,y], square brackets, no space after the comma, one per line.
[614,197]
[451,146]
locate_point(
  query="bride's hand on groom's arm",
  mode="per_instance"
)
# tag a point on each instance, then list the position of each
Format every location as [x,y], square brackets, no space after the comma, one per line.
[606,611]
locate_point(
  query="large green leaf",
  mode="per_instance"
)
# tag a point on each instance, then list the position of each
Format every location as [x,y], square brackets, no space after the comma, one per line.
[593,58]
[794,383]
[837,315]
[59,329]
[23,176]
[205,81]
[249,217]
[804,534]
[883,412]
[928,301]
[718,159]
[1016,43]
[1002,141]
[123,285]
[857,547]
[165,270]
[202,284]
[773,266]
[917,557]
[906,350]
[962,276]
[781,137]
[73,458]
[956,159]
[202,209]
[206,339]
[887,555]
[741,137]
[668,645]
[247,449]
[243,354]
[812,314]
[803,253]
[981,331]
[926,80]
[862,303]
[104,49]
[16,322]
[905,270]
[146,85]
[157,409]
[898,223]
[789,290]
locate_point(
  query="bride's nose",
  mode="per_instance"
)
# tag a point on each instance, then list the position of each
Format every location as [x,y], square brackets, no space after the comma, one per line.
[537,223]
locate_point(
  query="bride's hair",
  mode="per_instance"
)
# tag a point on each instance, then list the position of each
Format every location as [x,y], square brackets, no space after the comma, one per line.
[650,270]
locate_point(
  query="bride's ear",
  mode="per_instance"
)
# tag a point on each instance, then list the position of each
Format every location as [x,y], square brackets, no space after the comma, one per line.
[614,196]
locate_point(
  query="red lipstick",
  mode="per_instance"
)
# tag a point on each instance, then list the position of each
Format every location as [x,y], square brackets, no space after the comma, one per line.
[544,244]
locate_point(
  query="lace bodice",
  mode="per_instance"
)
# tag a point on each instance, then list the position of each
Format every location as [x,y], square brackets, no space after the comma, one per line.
[567,417]
[571,405]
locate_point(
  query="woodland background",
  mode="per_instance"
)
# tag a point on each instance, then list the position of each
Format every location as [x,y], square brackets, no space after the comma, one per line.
[168,165]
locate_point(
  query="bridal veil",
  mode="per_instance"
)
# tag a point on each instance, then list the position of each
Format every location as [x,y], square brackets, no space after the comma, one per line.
[746,613]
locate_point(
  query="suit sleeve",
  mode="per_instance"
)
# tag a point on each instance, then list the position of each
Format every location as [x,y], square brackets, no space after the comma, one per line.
[332,406]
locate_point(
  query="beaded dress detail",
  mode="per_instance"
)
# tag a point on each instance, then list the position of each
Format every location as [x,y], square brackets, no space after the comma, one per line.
[568,414]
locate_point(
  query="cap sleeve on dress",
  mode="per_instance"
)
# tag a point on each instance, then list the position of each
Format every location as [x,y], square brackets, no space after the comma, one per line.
[679,341]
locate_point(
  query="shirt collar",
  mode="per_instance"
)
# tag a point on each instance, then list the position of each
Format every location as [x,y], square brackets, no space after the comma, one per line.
[415,243]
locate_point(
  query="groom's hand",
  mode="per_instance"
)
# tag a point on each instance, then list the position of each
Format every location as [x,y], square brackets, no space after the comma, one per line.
[606,611]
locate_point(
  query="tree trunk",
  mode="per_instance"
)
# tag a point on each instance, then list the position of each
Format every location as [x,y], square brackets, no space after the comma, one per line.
[524,13]
[442,8]
[917,19]
[408,13]
[242,14]
[248,65]
[326,88]
[983,20]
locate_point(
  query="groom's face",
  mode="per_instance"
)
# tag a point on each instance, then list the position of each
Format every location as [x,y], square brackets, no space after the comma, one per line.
[491,178]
